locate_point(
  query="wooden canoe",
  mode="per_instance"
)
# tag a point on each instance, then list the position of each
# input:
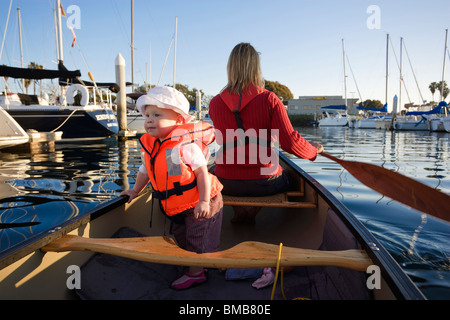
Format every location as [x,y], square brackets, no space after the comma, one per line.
[309,222]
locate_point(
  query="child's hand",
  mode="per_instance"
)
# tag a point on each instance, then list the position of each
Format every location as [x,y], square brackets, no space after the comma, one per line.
[201,210]
[131,193]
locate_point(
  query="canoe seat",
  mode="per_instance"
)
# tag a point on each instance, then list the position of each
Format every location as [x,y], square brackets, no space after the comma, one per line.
[280,200]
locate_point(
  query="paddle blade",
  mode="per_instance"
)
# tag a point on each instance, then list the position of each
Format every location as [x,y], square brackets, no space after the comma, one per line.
[399,187]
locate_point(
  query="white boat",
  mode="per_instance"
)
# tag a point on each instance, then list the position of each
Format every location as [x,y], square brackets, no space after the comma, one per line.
[369,121]
[11,133]
[419,120]
[436,124]
[412,124]
[334,116]
[365,123]
[383,123]
[338,120]
[446,123]
[88,121]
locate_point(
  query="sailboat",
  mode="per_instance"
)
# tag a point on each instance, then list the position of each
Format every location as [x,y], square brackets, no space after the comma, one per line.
[11,133]
[377,120]
[442,123]
[430,119]
[77,121]
[135,120]
[336,115]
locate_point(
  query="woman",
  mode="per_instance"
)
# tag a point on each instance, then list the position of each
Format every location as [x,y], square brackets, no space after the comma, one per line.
[248,119]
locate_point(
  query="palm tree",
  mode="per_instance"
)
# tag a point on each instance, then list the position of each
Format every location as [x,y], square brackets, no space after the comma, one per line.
[433,87]
[446,92]
[33,65]
[445,89]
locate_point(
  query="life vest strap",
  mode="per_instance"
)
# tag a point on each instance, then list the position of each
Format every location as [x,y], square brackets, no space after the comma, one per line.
[178,190]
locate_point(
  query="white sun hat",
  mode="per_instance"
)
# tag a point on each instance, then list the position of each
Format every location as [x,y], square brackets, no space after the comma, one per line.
[165,98]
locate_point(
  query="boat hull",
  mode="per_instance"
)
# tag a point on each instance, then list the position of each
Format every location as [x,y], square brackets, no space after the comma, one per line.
[83,123]
[411,125]
[135,122]
[446,123]
[333,122]
[365,124]
[11,133]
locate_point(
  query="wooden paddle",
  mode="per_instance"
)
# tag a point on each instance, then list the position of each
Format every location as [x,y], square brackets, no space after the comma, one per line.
[399,187]
[244,255]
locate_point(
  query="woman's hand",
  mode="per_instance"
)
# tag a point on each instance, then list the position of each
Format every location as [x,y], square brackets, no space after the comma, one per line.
[318,146]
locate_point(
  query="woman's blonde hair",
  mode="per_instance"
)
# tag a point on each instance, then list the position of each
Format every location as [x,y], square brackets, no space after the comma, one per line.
[243,69]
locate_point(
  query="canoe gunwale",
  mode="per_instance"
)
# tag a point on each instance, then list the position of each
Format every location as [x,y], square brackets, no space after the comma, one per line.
[39,240]
[399,282]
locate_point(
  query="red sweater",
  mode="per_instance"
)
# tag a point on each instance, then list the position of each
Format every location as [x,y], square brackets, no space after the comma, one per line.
[258,111]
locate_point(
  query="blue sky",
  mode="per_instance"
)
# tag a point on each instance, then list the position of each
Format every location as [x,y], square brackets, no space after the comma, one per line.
[300,41]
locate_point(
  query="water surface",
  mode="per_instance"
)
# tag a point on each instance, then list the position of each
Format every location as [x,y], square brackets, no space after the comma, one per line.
[45,190]
[420,243]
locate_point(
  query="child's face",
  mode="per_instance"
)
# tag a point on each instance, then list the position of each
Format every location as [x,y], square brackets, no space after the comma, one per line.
[160,122]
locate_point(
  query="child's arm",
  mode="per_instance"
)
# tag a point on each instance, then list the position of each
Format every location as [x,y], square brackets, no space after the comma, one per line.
[141,181]
[204,190]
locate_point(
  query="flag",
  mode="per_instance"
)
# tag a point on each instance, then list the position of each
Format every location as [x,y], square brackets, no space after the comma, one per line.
[74,36]
[62,10]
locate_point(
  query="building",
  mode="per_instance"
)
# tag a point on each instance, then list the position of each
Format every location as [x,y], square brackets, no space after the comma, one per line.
[312,104]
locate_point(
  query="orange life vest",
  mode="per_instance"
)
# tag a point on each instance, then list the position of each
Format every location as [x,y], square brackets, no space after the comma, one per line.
[173,181]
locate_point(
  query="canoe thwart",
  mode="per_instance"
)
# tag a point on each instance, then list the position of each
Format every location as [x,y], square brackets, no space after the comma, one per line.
[279,200]
[249,254]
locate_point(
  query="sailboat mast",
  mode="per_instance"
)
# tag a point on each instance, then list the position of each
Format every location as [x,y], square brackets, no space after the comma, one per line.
[20,40]
[175,52]
[150,68]
[401,78]
[345,75]
[59,29]
[387,66]
[443,65]
[132,45]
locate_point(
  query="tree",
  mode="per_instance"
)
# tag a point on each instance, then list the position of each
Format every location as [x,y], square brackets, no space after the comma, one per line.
[279,89]
[27,82]
[371,104]
[445,91]
[433,87]
[190,94]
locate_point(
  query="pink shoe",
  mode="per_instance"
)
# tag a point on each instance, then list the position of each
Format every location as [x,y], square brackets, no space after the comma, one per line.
[189,280]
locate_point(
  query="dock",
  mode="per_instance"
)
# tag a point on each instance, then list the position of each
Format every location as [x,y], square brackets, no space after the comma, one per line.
[39,142]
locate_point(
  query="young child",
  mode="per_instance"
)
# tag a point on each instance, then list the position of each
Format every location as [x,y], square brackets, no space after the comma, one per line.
[176,167]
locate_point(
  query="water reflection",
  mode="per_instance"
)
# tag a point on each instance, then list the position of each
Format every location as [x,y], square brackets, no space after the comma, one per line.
[419,243]
[38,192]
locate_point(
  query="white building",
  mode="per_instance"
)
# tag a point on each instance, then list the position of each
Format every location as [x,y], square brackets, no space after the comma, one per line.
[312,104]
